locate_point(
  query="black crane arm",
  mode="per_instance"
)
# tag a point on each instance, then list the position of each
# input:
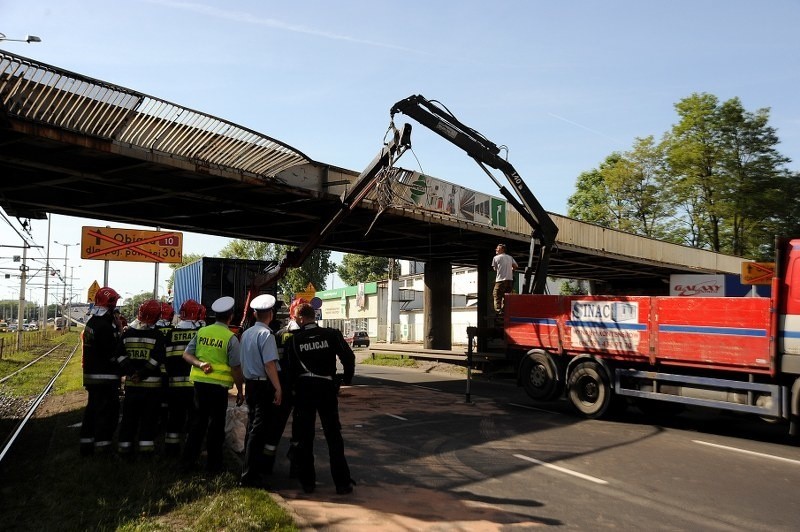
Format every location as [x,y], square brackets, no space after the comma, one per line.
[486,153]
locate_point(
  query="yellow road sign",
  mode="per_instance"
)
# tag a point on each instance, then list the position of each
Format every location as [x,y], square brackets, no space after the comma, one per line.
[131,245]
[92,292]
[757,272]
[308,294]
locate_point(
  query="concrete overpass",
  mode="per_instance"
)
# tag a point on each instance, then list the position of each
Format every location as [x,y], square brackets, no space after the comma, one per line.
[73,145]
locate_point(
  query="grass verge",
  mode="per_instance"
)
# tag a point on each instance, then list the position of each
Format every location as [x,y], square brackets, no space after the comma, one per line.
[382,359]
[46,485]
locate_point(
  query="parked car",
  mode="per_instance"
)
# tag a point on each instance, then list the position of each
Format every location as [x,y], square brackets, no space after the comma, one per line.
[358,339]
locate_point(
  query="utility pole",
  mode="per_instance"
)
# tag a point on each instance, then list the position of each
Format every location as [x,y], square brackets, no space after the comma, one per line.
[46,273]
[23,274]
[64,279]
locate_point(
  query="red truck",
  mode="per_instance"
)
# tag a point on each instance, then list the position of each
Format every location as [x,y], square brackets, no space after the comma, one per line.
[731,353]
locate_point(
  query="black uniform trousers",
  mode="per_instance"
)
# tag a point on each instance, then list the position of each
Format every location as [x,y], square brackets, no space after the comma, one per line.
[140,411]
[312,395]
[276,421]
[180,400]
[210,408]
[259,395]
[100,416]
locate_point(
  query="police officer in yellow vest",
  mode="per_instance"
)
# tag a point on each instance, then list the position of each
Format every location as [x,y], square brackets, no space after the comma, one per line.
[214,356]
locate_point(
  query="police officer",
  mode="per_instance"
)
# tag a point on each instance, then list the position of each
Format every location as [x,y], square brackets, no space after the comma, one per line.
[180,393]
[312,352]
[259,354]
[140,354]
[214,356]
[100,374]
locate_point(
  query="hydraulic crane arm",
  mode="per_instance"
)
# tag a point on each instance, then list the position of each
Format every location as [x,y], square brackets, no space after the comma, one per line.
[485,153]
[364,183]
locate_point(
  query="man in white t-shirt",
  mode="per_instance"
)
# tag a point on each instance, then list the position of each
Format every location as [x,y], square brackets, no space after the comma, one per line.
[504,265]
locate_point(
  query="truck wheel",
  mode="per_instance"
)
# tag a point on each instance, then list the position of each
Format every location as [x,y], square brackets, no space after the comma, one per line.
[589,390]
[539,377]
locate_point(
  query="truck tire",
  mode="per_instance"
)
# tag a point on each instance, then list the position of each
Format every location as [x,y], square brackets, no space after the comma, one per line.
[589,389]
[538,375]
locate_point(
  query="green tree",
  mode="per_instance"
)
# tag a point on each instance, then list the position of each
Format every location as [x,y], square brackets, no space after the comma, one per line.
[716,182]
[588,203]
[356,269]
[315,269]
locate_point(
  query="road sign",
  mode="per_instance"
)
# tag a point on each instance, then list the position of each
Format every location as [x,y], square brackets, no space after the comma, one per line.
[757,272]
[131,245]
[92,292]
[308,294]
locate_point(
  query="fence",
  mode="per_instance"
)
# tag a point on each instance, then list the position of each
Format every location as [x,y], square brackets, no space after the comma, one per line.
[8,341]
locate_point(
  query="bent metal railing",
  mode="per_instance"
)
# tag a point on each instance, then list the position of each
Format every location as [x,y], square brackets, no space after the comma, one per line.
[49,95]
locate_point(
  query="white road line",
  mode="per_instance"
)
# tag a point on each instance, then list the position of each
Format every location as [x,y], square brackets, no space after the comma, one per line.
[751,453]
[426,387]
[561,469]
[533,408]
[397,417]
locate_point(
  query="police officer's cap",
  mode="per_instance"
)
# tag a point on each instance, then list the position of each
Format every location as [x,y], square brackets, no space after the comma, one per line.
[263,302]
[223,304]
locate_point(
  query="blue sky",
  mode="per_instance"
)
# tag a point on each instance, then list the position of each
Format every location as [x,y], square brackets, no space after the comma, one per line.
[562,83]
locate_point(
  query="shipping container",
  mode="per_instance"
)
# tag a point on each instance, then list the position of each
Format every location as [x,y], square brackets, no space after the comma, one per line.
[211,278]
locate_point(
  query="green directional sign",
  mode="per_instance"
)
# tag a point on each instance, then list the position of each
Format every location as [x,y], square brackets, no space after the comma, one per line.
[498,212]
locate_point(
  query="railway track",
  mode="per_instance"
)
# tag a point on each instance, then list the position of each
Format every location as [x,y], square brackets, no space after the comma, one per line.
[33,401]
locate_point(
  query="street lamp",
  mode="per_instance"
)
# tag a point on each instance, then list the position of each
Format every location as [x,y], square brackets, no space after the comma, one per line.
[64,278]
[28,38]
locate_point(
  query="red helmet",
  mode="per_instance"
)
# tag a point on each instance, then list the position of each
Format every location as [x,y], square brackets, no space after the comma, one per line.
[106,297]
[167,312]
[191,310]
[293,307]
[149,312]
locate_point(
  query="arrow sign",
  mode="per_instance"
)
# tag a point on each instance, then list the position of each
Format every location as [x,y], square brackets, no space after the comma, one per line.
[757,272]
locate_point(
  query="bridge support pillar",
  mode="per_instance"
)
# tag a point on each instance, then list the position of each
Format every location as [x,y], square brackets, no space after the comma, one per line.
[437,304]
[486,277]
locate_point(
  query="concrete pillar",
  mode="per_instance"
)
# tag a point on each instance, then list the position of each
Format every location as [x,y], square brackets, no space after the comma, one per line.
[486,277]
[437,304]
[392,308]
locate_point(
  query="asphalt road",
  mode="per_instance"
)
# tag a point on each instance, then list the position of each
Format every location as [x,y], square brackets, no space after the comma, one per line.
[499,462]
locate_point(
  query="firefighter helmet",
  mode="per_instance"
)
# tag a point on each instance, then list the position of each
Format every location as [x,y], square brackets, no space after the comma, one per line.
[293,307]
[191,310]
[149,312]
[167,312]
[106,297]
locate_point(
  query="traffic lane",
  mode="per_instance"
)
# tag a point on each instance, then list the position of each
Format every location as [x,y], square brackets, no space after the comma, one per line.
[652,467]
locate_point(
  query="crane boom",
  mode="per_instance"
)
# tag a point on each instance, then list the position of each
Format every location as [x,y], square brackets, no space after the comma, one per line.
[486,153]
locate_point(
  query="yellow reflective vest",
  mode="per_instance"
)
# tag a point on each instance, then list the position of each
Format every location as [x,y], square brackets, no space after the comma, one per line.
[212,347]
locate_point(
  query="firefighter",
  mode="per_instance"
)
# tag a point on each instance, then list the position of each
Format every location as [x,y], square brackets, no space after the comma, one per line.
[164,324]
[259,354]
[180,393]
[100,374]
[312,352]
[141,353]
[214,356]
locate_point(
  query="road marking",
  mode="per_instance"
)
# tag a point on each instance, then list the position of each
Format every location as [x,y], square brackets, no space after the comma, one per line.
[751,453]
[561,469]
[426,388]
[533,408]
[397,417]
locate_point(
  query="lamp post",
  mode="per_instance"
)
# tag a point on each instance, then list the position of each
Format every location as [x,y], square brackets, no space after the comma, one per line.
[64,279]
[28,38]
